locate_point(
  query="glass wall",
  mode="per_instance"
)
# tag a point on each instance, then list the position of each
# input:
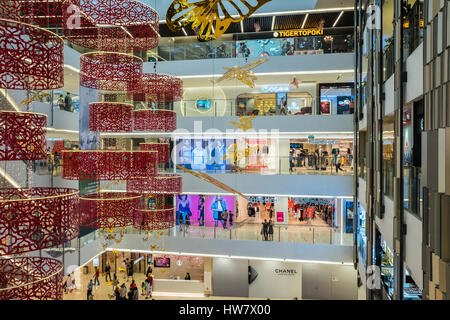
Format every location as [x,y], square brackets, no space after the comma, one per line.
[337,98]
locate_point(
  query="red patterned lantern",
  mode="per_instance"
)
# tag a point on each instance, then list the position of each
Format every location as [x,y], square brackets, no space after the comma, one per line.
[110,117]
[158,219]
[109,210]
[22,136]
[99,165]
[38,218]
[47,13]
[163,150]
[109,71]
[31,278]
[111,25]
[161,184]
[158,88]
[32,58]
[155,120]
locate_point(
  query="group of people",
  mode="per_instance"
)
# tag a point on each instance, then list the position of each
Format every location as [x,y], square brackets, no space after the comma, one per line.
[65,103]
[267,230]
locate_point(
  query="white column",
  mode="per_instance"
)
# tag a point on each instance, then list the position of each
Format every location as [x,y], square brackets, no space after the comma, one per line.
[284,146]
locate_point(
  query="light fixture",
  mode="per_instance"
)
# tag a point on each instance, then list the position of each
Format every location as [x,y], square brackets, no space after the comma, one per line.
[338,18]
[242,26]
[304,21]
[273,22]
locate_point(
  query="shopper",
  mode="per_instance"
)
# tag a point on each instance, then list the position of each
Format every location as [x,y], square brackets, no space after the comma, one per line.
[90,296]
[96,275]
[338,162]
[107,272]
[270,230]
[68,103]
[264,230]
[231,214]
[187,277]
[149,284]
[149,270]
[117,293]
[61,102]
[224,216]
[130,269]
[123,292]
[115,282]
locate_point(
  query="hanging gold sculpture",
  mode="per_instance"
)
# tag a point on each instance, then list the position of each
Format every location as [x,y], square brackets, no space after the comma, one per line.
[36,96]
[243,74]
[205,15]
[211,180]
[245,123]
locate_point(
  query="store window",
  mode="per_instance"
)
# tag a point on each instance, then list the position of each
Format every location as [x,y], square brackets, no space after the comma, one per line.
[337,98]
[349,216]
[275,103]
[361,234]
[410,289]
[387,268]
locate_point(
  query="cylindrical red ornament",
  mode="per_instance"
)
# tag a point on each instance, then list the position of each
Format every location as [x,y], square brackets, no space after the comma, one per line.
[31,58]
[158,88]
[110,71]
[161,184]
[110,117]
[99,165]
[155,120]
[163,150]
[22,136]
[31,278]
[109,210]
[37,218]
[158,219]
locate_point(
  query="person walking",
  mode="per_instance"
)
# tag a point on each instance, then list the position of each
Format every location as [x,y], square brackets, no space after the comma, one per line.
[117,293]
[115,282]
[89,290]
[61,102]
[338,163]
[96,275]
[123,291]
[107,272]
[149,286]
[270,230]
[264,230]
[149,270]
[231,214]
[224,216]
[68,102]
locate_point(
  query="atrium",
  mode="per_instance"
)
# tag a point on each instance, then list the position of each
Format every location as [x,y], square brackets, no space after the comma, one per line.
[224,150]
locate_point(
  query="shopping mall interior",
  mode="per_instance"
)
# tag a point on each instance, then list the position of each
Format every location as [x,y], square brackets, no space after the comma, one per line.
[224,150]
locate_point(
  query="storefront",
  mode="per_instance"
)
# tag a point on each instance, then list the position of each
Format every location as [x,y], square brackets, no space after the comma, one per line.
[321,155]
[271,104]
[336,98]
[224,155]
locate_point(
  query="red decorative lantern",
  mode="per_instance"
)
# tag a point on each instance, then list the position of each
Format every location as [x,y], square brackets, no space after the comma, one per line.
[32,58]
[158,219]
[22,136]
[163,150]
[109,210]
[99,165]
[110,71]
[110,117]
[38,218]
[46,13]
[158,88]
[155,120]
[161,184]
[111,25]
[31,278]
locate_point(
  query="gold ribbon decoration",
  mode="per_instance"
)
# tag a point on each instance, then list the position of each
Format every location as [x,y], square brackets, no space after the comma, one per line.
[205,15]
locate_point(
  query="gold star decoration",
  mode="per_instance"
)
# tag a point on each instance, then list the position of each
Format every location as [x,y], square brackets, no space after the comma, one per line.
[36,96]
[243,74]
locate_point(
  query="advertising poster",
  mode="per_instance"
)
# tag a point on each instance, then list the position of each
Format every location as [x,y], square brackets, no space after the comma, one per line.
[205,155]
[203,210]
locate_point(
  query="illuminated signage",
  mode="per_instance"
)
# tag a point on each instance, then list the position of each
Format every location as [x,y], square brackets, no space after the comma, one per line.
[298,33]
[275,89]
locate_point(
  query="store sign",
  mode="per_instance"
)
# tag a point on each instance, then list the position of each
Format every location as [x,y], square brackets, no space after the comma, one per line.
[286,272]
[275,89]
[298,33]
[280,217]
[322,141]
